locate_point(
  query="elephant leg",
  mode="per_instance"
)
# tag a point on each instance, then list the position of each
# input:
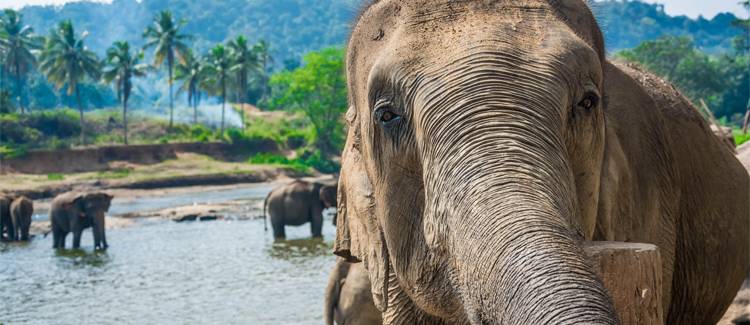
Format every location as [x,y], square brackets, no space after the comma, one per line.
[12,231]
[277,223]
[77,238]
[316,224]
[55,238]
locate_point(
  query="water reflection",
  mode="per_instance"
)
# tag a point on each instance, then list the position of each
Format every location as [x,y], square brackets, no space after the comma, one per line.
[300,248]
[82,258]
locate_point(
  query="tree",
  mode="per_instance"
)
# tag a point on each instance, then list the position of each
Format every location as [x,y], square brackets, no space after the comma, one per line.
[244,61]
[168,43]
[743,43]
[218,67]
[67,62]
[262,52]
[19,44]
[318,89]
[192,73]
[121,67]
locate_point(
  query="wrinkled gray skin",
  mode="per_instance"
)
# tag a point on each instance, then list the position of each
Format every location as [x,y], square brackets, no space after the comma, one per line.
[6,221]
[348,298]
[21,211]
[487,139]
[74,212]
[297,203]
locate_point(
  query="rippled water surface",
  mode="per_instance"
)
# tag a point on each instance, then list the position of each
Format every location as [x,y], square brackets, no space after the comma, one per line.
[161,272]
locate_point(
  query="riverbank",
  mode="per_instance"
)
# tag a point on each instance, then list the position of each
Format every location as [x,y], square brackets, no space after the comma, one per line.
[186,169]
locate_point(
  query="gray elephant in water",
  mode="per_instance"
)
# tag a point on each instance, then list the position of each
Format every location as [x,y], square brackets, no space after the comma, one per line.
[297,203]
[489,139]
[6,221]
[348,298]
[21,211]
[74,212]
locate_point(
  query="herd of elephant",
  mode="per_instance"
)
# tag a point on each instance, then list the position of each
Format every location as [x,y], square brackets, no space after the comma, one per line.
[71,212]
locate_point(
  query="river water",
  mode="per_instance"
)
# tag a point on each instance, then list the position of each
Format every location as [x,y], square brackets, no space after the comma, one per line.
[162,272]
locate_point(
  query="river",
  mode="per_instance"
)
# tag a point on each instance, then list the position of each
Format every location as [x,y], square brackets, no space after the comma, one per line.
[162,272]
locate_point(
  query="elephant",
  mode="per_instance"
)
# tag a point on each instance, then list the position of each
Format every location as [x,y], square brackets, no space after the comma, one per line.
[348,299]
[6,221]
[76,211]
[488,140]
[297,203]
[21,211]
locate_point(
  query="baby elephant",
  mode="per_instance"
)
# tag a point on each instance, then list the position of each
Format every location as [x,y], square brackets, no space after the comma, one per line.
[298,203]
[74,212]
[348,296]
[21,211]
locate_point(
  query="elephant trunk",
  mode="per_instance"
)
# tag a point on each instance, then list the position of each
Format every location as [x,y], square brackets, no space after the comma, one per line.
[503,191]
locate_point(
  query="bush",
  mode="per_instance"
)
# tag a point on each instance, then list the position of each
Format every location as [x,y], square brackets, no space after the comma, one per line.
[303,164]
[740,138]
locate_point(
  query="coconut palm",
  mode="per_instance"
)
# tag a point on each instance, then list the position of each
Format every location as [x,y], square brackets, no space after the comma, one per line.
[192,73]
[169,45]
[262,52]
[121,67]
[219,64]
[244,60]
[67,62]
[19,46]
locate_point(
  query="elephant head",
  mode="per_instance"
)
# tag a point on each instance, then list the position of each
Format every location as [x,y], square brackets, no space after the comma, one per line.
[91,208]
[476,139]
[327,194]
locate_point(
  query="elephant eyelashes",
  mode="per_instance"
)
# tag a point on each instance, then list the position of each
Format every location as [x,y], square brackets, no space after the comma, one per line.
[385,115]
[589,102]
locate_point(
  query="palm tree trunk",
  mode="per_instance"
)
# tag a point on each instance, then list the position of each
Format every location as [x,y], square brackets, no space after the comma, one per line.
[170,62]
[19,88]
[223,104]
[80,111]
[125,117]
[194,103]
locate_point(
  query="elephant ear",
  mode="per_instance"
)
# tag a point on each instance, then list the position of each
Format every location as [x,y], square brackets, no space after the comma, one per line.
[359,237]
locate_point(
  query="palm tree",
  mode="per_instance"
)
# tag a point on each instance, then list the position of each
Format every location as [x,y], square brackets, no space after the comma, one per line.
[244,61]
[121,67]
[67,62]
[218,69]
[168,43]
[192,73]
[263,54]
[19,44]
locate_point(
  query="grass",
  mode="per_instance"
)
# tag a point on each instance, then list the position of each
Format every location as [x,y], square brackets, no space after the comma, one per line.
[114,174]
[55,177]
[740,138]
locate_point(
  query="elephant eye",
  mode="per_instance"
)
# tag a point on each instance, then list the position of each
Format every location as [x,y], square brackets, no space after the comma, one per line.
[385,114]
[589,102]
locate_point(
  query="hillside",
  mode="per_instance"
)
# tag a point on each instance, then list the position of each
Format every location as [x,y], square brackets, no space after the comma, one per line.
[295,27]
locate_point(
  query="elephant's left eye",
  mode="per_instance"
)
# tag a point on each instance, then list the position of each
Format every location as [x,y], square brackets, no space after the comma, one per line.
[589,102]
[385,114]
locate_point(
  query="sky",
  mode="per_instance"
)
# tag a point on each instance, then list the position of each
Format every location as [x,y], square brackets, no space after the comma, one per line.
[691,8]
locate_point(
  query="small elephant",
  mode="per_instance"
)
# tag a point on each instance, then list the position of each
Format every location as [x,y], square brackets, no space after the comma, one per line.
[297,203]
[348,297]
[21,211]
[74,212]
[6,222]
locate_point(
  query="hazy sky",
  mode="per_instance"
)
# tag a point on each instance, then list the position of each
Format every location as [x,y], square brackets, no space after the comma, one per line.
[692,8]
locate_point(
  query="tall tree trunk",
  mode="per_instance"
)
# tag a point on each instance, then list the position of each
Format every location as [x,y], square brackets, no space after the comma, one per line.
[80,111]
[243,99]
[170,62]
[19,88]
[195,105]
[223,104]
[125,117]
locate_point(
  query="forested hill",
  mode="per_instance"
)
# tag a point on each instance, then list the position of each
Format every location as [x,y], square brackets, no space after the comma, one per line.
[295,27]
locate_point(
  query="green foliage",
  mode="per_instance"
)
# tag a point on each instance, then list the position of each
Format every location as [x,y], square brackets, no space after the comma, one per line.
[740,138]
[114,174]
[719,80]
[304,163]
[317,89]
[55,177]
[17,45]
